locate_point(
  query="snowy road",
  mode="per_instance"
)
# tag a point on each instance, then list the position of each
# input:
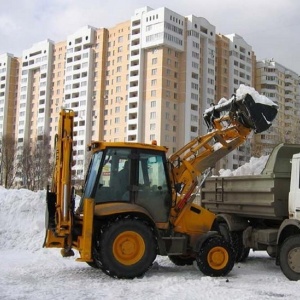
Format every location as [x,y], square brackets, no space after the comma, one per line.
[46,275]
[29,272]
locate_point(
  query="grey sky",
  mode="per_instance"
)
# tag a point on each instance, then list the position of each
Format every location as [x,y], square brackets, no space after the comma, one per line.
[271,27]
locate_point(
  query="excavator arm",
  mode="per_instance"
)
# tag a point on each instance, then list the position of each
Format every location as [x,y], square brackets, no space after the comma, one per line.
[230,122]
[60,198]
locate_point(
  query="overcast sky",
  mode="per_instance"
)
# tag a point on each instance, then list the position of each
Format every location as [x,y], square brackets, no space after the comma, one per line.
[271,27]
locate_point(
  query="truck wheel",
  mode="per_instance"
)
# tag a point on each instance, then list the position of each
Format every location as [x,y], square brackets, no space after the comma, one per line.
[216,257]
[242,251]
[181,260]
[289,257]
[127,249]
[236,240]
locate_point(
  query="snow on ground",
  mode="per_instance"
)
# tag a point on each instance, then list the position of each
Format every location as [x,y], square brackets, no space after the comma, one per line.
[29,271]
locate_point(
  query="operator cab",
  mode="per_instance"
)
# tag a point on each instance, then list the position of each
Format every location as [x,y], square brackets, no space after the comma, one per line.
[131,175]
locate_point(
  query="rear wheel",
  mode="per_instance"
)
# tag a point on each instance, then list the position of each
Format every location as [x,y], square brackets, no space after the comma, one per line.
[235,238]
[181,260]
[126,249]
[242,252]
[289,257]
[216,257]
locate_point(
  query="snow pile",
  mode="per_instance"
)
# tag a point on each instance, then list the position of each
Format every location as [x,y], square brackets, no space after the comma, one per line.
[243,90]
[29,272]
[22,219]
[254,167]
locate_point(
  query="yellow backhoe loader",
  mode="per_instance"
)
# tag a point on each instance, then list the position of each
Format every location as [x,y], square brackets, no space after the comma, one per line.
[137,203]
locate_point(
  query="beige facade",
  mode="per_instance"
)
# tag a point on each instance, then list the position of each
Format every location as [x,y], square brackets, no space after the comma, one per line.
[9,68]
[222,67]
[114,75]
[57,86]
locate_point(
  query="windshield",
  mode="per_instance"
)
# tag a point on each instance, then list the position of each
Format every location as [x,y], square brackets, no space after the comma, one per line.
[92,174]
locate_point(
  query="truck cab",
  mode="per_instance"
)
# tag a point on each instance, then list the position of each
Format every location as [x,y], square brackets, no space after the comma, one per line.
[294,195]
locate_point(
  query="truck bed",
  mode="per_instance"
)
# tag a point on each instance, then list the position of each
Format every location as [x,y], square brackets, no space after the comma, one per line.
[260,196]
[255,196]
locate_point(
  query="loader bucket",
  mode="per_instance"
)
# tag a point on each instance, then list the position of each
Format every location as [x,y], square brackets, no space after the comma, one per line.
[257,116]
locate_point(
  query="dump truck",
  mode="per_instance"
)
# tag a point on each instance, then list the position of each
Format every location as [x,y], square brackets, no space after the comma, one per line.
[261,212]
[137,202]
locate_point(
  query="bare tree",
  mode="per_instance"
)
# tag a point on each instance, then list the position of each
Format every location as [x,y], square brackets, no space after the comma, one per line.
[26,166]
[34,163]
[7,161]
[42,166]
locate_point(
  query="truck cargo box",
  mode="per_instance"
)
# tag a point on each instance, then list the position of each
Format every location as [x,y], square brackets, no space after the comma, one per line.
[262,196]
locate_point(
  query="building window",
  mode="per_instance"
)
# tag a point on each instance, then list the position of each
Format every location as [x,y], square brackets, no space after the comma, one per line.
[153,82]
[154,71]
[153,115]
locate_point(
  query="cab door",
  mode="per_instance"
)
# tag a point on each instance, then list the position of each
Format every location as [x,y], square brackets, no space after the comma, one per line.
[152,187]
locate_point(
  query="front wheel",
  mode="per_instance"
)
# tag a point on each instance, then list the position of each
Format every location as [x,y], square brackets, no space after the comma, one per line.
[126,249]
[216,257]
[289,257]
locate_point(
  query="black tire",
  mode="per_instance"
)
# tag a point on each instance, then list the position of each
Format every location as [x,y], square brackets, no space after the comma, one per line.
[216,257]
[235,238]
[242,252]
[181,260]
[125,249]
[224,230]
[271,254]
[289,257]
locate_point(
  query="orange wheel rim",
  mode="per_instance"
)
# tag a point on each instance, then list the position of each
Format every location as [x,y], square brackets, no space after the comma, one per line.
[218,258]
[128,248]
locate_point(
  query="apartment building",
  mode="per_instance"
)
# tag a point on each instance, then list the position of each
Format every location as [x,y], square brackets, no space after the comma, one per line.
[281,85]
[9,68]
[148,78]
[33,109]
[171,76]
[235,65]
